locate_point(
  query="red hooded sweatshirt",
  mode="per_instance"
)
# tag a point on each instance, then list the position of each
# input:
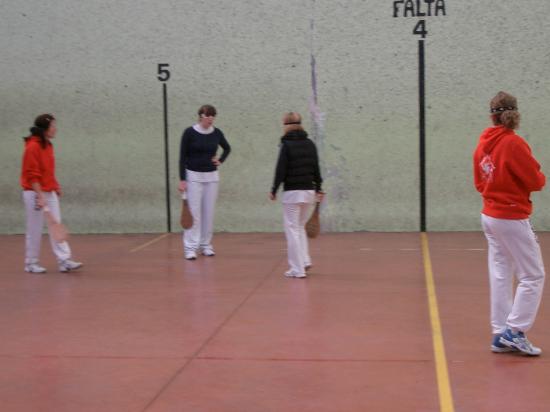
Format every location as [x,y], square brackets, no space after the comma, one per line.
[38,166]
[505,173]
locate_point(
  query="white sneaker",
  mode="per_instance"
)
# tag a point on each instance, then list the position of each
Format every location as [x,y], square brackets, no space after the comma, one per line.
[34,268]
[190,255]
[69,265]
[291,274]
[208,251]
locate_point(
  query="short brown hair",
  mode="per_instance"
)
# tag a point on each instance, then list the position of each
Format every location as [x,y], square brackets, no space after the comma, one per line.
[292,121]
[504,110]
[207,110]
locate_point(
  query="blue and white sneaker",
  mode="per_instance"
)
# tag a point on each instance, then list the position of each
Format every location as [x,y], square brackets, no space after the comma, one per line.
[520,342]
[497,347]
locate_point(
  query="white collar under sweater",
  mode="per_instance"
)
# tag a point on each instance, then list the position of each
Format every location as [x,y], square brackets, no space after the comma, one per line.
[202,130]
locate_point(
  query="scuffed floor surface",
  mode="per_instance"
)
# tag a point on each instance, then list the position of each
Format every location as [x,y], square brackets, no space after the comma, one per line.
[141,329]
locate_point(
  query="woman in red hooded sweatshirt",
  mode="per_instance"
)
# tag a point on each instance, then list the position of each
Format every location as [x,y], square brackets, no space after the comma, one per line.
[505,173]
[40,189]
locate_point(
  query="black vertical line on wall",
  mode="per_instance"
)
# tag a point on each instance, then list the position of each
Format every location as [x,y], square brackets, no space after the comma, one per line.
[422,132]
[166,158]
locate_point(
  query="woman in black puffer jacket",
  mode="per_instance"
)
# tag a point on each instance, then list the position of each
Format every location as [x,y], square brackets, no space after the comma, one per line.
[298,170]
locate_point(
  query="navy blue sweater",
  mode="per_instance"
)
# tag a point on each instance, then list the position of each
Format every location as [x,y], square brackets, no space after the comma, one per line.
[197,150]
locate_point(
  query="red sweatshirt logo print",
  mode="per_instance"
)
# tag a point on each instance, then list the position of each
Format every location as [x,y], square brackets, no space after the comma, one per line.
[505,173]
[487,168]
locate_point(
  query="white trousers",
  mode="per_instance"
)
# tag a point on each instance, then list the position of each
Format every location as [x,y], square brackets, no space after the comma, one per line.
[296,216]
[513,252]
[35,225]
[201,198]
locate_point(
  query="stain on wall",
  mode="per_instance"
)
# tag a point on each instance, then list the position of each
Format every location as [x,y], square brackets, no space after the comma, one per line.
[349,67]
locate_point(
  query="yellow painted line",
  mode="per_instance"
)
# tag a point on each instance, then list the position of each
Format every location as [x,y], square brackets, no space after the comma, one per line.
[443,382]
[149,243]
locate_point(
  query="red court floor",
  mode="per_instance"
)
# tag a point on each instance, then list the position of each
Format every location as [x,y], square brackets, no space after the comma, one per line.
[141,329]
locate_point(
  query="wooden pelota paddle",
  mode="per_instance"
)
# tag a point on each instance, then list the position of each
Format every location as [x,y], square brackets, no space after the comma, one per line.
[186,218]
[57,230]
[313,225]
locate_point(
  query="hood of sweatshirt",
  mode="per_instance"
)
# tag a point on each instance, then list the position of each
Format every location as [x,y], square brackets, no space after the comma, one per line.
[491,137]
[295,135]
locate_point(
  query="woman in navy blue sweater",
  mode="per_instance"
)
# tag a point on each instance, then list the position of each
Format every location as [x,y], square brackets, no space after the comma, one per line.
[199,178]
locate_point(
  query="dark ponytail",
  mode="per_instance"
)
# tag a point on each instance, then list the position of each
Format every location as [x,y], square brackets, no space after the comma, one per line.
[504,110]
[41,124]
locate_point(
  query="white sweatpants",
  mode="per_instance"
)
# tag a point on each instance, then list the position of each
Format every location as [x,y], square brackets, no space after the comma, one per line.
[513,251]
[201,198]
[296,216]
[35,225]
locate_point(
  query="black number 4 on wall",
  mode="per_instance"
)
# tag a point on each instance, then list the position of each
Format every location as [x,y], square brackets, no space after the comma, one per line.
[420,28]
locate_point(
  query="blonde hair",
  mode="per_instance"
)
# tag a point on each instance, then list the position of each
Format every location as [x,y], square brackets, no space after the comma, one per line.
[292,121]
[504,110]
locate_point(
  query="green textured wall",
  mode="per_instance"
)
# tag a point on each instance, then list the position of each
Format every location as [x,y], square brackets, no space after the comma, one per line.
[93,64]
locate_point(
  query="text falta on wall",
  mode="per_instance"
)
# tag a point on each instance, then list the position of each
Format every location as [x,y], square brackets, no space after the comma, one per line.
[419,8]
